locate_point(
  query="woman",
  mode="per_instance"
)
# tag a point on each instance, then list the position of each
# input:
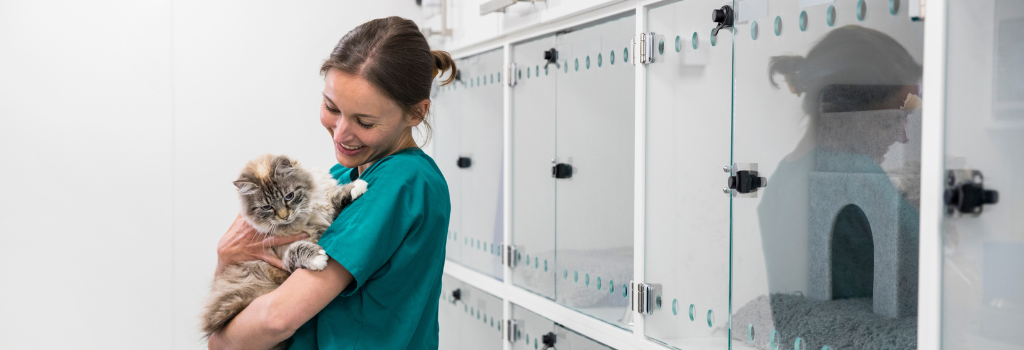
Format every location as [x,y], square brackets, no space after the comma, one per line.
[382,283]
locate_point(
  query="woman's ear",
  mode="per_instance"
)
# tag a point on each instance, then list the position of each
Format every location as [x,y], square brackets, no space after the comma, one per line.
[421,108]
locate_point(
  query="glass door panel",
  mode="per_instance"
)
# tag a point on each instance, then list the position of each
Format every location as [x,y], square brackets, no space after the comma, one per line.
[469,318]
[480,161]
[983,267]
[532,328]
[595,137]
[689,116]
[533,148]
[445,126]
[825,115]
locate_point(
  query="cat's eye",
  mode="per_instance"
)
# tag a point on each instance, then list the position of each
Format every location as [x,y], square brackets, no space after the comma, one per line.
[266,207]
[289,196]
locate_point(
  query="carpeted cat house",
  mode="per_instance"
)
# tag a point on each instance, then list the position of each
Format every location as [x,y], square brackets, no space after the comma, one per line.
[863,231]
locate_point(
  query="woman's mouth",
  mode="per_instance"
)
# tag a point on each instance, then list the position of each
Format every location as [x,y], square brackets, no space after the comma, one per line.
[349,150]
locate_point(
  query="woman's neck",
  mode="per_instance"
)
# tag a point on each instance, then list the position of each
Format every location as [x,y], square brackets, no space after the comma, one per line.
[406,142]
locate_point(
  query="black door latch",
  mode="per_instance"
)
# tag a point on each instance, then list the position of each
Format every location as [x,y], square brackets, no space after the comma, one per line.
[722,16]
[464,162]
[552,57]
[746,181]
[456,295]
[548,340]
[561,171]
[965,192]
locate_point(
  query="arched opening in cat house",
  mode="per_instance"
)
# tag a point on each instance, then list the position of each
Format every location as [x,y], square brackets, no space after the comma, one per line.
[853,255]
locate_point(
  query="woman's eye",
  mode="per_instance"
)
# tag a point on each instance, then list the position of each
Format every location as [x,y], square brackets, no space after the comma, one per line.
[266,207]
[289,196]
[364,125]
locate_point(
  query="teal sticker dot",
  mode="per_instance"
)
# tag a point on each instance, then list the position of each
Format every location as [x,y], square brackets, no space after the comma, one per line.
[693,40]
[798,344]
[830,15]
[753,30]
[611,286]
[471,312]
[527,72]
[527,338]
[826,347]
[714,38]
[566,65]
[575,276]
[465,308]
[545,71]
[611,57]
[711,318]
[862,9]
[520,72]
[778,25]
[598,283]
[657,301]
[586,279]
[661,46]
[773,341]
[499,77]
[577,64]
[588,61]
[599,60]
[679,43]
[692,309]
[492,78]
[894,7]
[625,291]
[499,326]
[750,332]
[492,321]
[527,259]
[534,342]
[545,265]
[625,55]
[536,70]
[675,307]
[536,263]
[803,21]
[565,274]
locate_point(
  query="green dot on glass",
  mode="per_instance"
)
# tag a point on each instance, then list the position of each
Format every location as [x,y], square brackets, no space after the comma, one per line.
[830,15]
[750,332]
[536,70]
[611,57]
[711,318]
[798,343]
[661,46]
[566,65]
[520,72]
[577,64]
[586,279]
[692,310]
[565,274]
[773,341]
[588,61]
[862,9]
[611,286]
[714,38]
[536,262]
[499,77]
[803,21]
[625,291]
[598,283]
[527,259]
[575,276]
[894,7]
[693,40]
[527,72]
[545,265]
[545,70]
[778,25]
[599,60]
[625,55]
[679,43]
[675,307]
[753,30]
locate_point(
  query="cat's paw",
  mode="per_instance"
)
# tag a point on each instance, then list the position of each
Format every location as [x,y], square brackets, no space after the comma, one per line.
[305,255]
[358,188]
[319,262]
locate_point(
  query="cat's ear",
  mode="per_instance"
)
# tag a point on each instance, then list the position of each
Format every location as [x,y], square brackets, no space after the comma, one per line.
[245,188]
[283,165]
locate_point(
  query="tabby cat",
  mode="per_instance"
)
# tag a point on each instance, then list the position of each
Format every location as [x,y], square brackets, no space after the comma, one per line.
[279,198]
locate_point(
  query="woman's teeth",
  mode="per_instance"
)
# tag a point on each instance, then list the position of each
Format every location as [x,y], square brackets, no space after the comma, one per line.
[347,147]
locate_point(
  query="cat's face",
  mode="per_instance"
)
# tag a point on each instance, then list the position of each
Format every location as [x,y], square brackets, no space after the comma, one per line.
[273,191]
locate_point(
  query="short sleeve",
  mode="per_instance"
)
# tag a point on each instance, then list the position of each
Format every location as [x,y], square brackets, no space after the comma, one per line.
[369,231]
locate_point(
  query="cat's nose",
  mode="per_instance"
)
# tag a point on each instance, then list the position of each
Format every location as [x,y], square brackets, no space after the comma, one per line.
[282,213]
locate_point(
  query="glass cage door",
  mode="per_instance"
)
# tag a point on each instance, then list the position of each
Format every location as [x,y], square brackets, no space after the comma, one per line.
[444,116]
[983,232]
[826,159]
[689,116]
[468,318]
[479,161]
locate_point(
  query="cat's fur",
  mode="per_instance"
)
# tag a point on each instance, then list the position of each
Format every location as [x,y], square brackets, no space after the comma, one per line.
[263,186]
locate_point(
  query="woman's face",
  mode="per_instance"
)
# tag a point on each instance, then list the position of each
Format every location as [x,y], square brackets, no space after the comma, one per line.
[365,125]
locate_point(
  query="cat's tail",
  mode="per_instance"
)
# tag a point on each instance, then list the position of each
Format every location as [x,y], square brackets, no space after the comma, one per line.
[222,310]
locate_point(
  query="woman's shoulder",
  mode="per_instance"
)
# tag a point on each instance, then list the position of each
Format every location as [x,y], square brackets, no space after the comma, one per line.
[411,164]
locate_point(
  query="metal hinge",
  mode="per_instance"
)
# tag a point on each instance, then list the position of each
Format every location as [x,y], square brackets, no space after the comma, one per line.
[965,193]
[744,180]
[644,297]
[509,255]
[643,46]
[512,74]
[511,330]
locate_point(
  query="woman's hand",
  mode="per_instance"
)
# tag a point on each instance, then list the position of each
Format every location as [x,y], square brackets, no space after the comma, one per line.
[243,243]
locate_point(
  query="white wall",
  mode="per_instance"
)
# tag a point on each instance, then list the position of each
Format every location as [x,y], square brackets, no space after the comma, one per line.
[122,125]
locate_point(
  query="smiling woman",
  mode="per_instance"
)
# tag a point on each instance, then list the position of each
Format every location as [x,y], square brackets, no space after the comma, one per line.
[377,85]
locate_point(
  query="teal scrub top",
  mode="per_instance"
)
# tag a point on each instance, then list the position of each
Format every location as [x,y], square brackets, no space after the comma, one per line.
[392,240]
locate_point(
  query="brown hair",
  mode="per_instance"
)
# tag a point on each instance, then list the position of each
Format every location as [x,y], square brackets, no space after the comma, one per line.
[393,55]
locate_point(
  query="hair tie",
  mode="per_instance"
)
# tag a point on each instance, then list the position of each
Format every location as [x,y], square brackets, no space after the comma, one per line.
[435,72]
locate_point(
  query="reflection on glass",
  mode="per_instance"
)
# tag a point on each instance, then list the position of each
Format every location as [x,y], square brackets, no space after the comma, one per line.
[838,222]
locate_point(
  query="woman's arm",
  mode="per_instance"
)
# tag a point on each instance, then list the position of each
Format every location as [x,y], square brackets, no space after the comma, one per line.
[243,243]
[274,317]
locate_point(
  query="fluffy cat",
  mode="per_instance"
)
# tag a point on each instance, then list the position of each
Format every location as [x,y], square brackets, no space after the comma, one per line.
[279,198]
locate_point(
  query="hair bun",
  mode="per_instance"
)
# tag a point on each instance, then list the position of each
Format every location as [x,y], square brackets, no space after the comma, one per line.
[443,62]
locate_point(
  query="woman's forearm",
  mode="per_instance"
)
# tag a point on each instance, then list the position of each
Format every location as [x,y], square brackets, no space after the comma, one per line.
[253,328]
